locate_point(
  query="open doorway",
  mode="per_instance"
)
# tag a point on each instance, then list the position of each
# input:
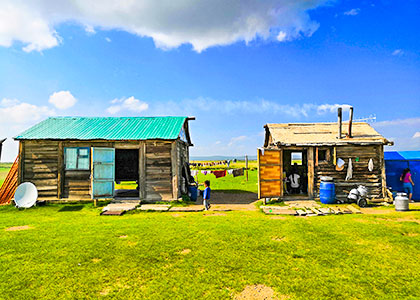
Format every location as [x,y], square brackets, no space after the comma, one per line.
[126,173]
[295,168]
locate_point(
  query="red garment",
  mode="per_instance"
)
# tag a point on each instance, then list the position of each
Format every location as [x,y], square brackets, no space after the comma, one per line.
[219,173]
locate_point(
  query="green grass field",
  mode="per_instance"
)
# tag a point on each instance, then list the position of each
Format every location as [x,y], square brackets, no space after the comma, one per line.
[4,169]
[70,252]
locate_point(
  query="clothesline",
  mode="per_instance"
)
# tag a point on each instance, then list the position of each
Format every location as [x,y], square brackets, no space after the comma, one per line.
[220,173]
[213,163]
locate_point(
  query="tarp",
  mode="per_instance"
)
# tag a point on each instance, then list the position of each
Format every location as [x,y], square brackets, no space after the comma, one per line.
[396,162]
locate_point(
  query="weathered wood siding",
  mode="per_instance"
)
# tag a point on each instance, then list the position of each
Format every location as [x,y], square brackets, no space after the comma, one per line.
[270,173]
[39,165]
[158,171]
[361,174]
[182,160]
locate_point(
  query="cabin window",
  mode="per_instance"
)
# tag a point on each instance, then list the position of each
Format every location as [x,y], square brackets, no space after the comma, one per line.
[76,158]
[322,156]
[296,158]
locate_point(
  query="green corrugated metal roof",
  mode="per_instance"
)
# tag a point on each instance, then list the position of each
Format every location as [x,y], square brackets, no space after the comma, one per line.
[94,128]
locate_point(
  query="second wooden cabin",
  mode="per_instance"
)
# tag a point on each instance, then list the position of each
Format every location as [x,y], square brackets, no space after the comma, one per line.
[314,149]
[79,158]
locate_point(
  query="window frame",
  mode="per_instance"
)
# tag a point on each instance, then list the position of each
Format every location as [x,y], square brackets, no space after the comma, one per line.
[77,168]
[327,155]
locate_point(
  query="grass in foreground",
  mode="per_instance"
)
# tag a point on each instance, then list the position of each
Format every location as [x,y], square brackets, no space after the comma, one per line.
[72,253]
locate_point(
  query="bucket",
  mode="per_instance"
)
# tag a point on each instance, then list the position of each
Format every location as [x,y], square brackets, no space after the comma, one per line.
[401,202]
[193,192]
[327,192]
[362,190]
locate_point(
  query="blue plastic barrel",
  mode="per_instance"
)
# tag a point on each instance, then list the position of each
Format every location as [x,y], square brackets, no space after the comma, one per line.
[193,191]
[327,192]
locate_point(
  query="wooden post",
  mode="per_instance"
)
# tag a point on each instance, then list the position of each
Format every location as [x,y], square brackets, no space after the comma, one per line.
[350,121]
[142,170]
[60,167]
[281,172]
[383,174]
[21,161]
[258,174]
[316,156]
[340,117]
[175,170]
[246,166]
[310,172]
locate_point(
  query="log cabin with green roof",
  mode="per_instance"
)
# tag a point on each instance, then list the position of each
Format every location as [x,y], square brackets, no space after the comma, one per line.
[82,158]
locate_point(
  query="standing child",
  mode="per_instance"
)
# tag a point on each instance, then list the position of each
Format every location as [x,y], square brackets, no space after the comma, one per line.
[407,183]
[206,195]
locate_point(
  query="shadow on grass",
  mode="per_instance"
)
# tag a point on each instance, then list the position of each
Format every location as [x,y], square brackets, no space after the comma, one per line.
[71,208]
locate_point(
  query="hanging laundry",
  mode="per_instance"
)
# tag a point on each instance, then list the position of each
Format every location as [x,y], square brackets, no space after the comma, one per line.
[238,172]
[194,173]
[204,172]
[219,174]
[228,163]
[230,171]
[349,171]
[370,165]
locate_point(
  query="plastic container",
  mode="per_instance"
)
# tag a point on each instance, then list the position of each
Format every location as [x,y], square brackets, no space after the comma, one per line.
[193,192]
[327,192]
[401,202]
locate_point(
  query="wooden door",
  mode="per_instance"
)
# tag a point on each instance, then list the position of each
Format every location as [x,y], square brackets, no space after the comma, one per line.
[103,172]
[270,173]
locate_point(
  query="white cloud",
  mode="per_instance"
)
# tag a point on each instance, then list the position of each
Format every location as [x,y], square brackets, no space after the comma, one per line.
[13,111]
[62,99]
[202,104]
[15,117]
[130,104]
[352,12]
[399,122]
[416,135]
[169,23]
[90,29]
[237,139]
[331,108]
[108,40]
[397,52]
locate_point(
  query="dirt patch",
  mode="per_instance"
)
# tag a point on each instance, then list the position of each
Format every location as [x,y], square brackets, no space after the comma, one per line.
[376,211]
[178,215]
[411,234]
[214,215]
[185,251]
[105,292]
[278,218]
[278,238]
[123,236]
[18,228]
[259,292]
[408,219]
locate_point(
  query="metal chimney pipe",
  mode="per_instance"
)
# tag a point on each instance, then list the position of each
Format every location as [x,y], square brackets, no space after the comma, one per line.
[339,122]
[350,121]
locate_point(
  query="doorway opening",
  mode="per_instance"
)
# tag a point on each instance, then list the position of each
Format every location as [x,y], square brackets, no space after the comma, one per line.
[126,173]
[295,166]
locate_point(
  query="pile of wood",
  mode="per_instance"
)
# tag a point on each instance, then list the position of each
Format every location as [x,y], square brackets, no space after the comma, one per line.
[309,210]
[9,186]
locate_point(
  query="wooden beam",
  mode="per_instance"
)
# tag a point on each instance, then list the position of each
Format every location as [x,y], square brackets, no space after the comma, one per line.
[21,163]
[258,173]
[311,177]
[350,122]
[142,170]
[281,172]
[383,174]
[175,171]
[340,122]
[60,170]
[316,156]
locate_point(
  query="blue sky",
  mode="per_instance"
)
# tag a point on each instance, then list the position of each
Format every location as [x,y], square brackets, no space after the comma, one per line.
[284,61]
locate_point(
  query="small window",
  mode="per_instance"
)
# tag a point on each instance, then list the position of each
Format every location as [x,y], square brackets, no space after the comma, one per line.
[296,158]
[76,158]
[322,155]
[183,135]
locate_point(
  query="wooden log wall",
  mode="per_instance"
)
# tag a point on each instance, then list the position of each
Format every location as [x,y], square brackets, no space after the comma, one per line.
[158,170]
[181,160]
[361,174]
[39,166]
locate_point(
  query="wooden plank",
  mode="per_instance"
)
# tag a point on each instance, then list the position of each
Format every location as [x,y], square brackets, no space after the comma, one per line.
[20,163]
[383,174]
[60,170]
[142,170]
[259,172]
[175,172]
[281,171]
[311,171]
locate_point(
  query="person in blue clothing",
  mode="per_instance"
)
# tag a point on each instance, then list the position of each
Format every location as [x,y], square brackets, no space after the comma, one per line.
[206,195]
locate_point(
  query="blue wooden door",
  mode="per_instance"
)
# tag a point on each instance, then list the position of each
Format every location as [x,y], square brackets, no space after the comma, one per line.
[103,160]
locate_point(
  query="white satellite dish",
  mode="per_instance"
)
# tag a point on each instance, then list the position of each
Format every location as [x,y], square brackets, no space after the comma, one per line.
[26,195]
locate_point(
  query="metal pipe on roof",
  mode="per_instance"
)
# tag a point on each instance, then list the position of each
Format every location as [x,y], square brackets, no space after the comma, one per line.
[350,121]
[339,121]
